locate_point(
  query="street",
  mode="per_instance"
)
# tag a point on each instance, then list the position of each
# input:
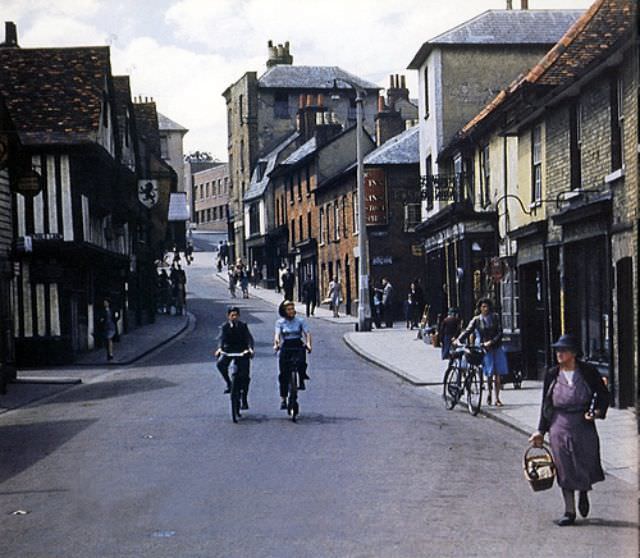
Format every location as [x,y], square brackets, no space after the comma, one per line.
[145,461]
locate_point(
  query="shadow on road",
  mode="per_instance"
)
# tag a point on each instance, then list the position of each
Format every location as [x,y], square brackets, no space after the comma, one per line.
[601,522]
[23,445]
[109,389]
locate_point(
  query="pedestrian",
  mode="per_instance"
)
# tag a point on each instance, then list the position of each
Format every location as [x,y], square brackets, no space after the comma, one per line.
[255,274]
[335,295]
[376,306]
[387,302]
[573,396]
[164,291]
[235,337]
[219,264]
[108,326]
[488,334]
[188,253]
[310,295]
[224,252]
[281,273]
[242,277]
[448,330]
[232,281]
[418,298]
[411,307]
[288,284]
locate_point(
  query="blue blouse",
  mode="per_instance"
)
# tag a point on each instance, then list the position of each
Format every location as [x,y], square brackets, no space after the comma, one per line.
[292,329]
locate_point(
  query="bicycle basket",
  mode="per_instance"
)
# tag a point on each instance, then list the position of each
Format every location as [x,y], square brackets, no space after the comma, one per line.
[475,356]
[539,468]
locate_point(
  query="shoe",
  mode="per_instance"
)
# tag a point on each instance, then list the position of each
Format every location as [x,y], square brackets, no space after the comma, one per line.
[301,386]
[489,399]
[109,357]
[228,390]
[283,406]
[244,406]
[583,504]
[566,520]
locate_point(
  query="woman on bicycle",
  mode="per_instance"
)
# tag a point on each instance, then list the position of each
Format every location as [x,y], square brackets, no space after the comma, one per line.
[293,340]
[488,335]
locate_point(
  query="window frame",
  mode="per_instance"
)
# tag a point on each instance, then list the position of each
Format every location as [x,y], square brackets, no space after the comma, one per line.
[536,165]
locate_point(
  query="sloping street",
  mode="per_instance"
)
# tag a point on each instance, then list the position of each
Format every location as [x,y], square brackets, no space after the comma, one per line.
[145,461]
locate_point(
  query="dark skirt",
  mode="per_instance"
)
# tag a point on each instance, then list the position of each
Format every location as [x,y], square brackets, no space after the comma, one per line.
[576,451]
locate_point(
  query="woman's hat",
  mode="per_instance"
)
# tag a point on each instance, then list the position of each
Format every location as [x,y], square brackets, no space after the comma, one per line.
[568,342]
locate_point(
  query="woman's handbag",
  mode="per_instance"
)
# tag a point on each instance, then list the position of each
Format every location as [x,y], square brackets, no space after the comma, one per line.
[539,468]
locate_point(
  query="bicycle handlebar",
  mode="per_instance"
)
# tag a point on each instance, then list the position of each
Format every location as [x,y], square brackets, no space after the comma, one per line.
[235,355]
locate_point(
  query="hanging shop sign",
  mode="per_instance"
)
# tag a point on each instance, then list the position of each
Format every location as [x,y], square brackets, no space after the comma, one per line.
[148,192]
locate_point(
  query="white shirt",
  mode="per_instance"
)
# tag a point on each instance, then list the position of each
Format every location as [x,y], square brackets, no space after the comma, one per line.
[568,376]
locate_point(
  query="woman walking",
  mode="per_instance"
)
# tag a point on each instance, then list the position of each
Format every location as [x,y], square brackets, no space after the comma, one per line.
[574,395]
[108,324]
[488,334]
[335,294]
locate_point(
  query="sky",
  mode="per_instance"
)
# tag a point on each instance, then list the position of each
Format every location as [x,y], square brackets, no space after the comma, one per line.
[184,53]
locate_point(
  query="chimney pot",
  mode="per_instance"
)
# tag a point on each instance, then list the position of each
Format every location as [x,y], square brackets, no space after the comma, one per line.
[403,82]
[301,101]
[310,100]
[391,81]
[270,43]
[320,100]
[509,4]
[380,103]
[524,4]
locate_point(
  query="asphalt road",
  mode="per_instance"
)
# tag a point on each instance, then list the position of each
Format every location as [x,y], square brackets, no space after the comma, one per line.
[145,462]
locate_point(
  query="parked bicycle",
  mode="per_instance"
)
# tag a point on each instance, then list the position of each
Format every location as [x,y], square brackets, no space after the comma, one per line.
[239,383]
[464,376]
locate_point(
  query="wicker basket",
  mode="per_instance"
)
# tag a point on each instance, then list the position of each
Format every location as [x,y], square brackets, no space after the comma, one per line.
[539,468]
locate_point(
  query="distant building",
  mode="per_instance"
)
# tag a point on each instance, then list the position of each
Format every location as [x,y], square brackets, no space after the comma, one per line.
[262,113]
[211,198]
[171,146]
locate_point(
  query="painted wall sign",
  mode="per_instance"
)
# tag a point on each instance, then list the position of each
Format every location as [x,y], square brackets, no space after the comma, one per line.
[375,197]
[382,260]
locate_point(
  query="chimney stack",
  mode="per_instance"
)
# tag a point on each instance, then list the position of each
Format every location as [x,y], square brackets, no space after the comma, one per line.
[524,4]
[10,34]
[279,54]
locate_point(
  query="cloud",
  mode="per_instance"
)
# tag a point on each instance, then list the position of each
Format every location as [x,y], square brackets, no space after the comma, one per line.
[62,31]
[80,9]
[186,86]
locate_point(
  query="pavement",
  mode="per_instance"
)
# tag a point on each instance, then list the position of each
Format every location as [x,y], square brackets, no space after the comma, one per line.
[34,384]
[144,461]
[399,351]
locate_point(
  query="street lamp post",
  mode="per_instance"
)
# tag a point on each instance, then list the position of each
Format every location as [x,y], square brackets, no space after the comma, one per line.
[364,309]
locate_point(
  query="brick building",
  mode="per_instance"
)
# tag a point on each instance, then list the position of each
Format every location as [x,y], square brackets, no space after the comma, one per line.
[211,198]
[262,113]
[563,140]
[326,150]
[392,193]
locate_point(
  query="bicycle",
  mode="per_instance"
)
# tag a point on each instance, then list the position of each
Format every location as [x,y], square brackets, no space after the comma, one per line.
[293,362]
[464,375]
[238,384]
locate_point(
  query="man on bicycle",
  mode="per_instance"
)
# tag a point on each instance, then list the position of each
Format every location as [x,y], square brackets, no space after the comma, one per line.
[235,337]
[293,340]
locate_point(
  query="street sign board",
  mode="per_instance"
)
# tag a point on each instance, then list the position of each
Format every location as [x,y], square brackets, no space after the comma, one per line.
[375,197]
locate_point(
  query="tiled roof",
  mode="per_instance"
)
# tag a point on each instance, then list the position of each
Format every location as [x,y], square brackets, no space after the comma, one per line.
[258,187]
[503,27]
[303,151]
[311,77]
[147,125]
[165,123]
[54,95]
[402,149]
[591,38]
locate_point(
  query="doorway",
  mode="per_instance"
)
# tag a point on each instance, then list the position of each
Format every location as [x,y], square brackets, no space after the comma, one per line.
[624,334]
[533,320]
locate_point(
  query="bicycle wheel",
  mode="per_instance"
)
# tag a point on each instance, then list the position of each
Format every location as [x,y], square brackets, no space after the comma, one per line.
[293,407]
[451,385]
[473,386]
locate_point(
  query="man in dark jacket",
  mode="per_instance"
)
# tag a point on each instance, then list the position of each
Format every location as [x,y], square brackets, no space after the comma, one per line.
[309,295]
[235,337]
